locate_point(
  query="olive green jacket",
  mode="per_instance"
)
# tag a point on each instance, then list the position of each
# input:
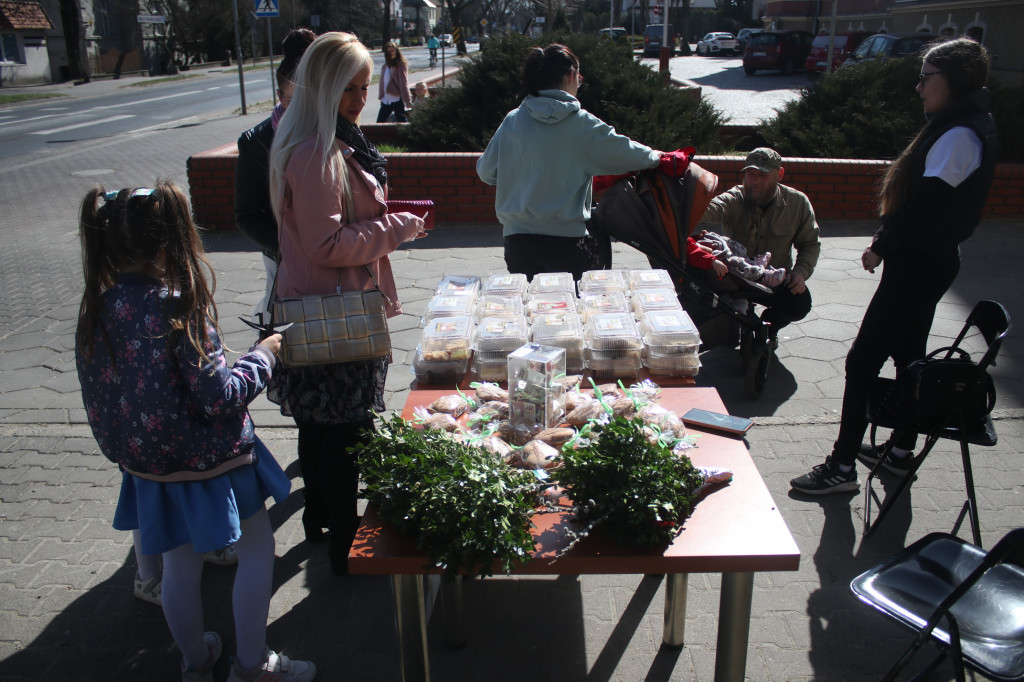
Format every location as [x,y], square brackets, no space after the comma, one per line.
[786,223]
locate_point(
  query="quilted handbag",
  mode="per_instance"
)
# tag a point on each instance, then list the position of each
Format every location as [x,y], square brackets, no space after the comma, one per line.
[330,328]
[420,207]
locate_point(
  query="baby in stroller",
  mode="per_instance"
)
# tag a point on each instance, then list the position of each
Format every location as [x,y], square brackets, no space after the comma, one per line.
[734,256]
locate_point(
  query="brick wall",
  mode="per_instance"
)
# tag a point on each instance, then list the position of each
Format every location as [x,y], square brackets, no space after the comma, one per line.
[838,188]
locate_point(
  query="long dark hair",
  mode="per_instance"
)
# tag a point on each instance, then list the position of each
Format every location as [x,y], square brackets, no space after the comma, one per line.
[129,230]
[964,63]
[294,46]
[399,58]
[545,69]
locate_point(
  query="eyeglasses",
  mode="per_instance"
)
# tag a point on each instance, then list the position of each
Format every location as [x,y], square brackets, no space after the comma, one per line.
[922,78]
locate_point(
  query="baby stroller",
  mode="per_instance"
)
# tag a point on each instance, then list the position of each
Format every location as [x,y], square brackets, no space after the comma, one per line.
[655,213]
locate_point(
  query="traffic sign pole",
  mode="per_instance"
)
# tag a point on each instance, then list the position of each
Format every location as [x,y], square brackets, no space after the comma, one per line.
[238,54]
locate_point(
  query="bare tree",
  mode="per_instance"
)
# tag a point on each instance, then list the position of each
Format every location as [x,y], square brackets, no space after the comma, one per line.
[455,8]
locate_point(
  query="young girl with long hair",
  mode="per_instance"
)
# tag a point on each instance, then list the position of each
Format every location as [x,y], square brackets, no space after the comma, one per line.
[393,89]
[165,406]
[931,201]
[329,187]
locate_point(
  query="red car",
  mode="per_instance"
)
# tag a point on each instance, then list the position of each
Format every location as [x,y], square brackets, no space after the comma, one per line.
[842,48]
[784,51]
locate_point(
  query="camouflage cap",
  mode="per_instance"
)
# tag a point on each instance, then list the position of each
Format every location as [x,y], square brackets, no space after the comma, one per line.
[764,159]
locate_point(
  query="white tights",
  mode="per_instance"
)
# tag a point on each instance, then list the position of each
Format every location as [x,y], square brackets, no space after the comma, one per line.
[182,599]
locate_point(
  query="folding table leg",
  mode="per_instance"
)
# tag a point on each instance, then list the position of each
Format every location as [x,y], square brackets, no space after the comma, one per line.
[733,626]
[454,612]
[411,621]
[675,608]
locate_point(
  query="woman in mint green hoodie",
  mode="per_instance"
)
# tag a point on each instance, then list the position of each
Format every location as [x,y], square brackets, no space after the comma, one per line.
[543,158]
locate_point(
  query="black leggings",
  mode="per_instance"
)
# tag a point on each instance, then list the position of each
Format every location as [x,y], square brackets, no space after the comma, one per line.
[895,325]
[331,475]
[396,108]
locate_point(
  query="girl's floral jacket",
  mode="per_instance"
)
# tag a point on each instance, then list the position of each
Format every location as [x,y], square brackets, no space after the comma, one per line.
[161,412]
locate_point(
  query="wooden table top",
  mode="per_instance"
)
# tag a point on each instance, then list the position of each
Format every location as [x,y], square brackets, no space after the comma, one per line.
[737,527]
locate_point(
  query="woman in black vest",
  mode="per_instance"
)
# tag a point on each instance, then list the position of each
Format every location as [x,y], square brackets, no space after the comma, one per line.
[931,200]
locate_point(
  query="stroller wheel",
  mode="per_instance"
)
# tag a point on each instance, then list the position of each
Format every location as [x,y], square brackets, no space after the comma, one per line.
[756,370]
[746,345]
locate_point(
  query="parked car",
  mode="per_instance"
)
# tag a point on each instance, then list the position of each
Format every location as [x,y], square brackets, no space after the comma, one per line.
[888,45]
[716,43]
[652,40]
[844,44]
[743,36]
[783,50]
[617,33]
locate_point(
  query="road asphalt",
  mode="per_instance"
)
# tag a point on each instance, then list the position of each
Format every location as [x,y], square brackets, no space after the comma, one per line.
[66,607]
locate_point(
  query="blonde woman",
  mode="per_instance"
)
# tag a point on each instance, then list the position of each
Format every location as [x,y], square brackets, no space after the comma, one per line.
[329,186]
[393,89]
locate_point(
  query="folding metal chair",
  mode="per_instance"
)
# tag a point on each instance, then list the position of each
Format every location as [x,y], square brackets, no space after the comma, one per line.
[953,594]
[993,322]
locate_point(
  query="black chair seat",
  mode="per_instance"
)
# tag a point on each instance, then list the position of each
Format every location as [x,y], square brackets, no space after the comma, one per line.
[913,587]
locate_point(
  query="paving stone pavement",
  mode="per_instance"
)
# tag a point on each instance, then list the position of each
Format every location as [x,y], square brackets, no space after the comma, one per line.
[66,609]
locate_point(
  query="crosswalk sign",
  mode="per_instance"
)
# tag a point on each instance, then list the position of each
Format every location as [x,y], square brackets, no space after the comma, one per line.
[267,8]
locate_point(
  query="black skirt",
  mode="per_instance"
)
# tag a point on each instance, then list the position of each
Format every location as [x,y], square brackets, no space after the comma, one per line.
[342,393]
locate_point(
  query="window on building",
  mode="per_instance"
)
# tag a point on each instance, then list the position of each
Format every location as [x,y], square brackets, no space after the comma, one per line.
[976,33]
[948,30]
[10,51]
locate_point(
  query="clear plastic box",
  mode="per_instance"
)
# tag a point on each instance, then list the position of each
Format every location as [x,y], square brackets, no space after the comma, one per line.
[646,300]
[447,334]
[561,330]
[458,284]
[650,279]
[501,333]
[614,364]
[505,285]
[602,281]
[593,303]
[685,364]
[549,282]
[551,302]
[612,331]
[536,399]
[448,305]
[669,329]
[440,367]
[490,305]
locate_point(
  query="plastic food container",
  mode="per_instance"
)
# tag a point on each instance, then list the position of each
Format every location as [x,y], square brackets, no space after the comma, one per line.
[669,331]
[593,303]
[548,282]
[446,334]
[602,281]
[490,305]
[552,302]
[646,300]
[447,305]
[458,284]
[440,367]
[685,364]
[505,285]
[614,364]
[500,334]
[612,331]
[650,279]
[561,330]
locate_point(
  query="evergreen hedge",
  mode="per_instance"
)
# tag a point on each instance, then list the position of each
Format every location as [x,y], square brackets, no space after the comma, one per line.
[616,88]
[872,111]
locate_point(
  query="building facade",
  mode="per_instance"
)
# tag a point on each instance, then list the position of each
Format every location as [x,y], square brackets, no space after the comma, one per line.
[24,31]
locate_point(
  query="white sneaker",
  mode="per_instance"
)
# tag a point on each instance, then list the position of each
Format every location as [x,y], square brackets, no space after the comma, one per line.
[205,672]
[275,668]
[225,556]
[150,589]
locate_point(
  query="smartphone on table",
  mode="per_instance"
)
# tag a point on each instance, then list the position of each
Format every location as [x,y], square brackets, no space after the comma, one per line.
[716,421]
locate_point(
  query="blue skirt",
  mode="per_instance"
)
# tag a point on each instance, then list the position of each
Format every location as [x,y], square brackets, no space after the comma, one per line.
[206,514]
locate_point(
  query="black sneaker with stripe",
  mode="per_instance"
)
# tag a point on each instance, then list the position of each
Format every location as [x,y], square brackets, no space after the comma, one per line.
[869,456]
[825,479]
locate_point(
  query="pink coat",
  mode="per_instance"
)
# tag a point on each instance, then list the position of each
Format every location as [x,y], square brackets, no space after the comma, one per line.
[397,84]
[317,241]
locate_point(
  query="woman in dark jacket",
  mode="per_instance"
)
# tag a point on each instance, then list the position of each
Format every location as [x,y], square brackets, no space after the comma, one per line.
[253,215]
[931,201]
